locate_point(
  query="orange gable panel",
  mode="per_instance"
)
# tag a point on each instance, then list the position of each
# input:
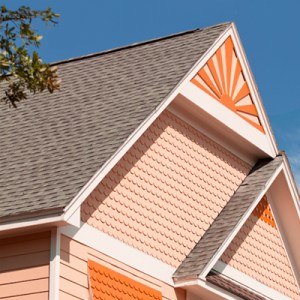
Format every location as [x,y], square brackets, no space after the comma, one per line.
[222,78]
[263,211]
[107,284]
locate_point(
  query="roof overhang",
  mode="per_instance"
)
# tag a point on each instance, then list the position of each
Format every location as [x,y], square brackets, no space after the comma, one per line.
[45,219]
[203,289]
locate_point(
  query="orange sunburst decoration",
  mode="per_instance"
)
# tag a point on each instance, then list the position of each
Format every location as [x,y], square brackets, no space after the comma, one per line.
[222,78]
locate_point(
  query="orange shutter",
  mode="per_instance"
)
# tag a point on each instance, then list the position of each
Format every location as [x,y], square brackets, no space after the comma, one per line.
[107,284]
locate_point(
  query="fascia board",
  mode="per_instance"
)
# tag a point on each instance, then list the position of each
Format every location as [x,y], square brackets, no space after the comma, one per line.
[291,183]
[208,286]
[38,221]
[242,221]
[290,250]
[54,272]
[248,282]
[228,118]
[56,221]
[253,88]
[284,240]
[120,251]
[110,163]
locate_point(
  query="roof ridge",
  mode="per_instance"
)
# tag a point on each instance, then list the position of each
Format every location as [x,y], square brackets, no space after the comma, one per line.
[133,45]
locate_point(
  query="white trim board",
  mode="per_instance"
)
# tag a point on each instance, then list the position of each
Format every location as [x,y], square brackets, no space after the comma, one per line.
[253,87]
[120,251]
[248,282]
[208,286]
[207,130]
[227,118]
[284,239]
[31,222]
[241,222]
[292,184]
[54,272]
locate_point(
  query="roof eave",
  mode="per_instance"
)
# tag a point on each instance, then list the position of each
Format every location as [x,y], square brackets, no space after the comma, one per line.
[45,218]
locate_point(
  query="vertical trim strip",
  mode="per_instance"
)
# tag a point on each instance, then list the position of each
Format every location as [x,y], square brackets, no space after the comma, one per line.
[54,265]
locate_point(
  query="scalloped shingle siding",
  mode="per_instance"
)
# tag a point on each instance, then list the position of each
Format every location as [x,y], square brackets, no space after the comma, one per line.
[257,250]
[107,284]
[166,191]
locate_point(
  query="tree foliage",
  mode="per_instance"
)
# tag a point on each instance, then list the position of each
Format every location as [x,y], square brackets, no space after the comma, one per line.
[20,66]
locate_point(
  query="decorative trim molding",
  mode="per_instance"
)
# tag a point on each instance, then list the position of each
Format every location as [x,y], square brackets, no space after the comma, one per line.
[54,265]
[208,286]
[248,281]
[120,251]
[227,117]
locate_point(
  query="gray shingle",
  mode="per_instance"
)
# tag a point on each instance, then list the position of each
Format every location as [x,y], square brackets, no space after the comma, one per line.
[232,287]
[53,144]
[213,238]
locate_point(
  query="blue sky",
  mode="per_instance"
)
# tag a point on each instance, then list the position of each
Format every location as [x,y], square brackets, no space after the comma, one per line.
[269,30]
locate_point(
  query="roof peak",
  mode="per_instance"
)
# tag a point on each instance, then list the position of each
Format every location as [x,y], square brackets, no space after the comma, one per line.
[136,44]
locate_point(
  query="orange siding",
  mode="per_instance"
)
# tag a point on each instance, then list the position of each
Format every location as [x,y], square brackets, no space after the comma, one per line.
[257,250]
[166,191]
[74,272]
[24,267]
[222,78]
[107,284]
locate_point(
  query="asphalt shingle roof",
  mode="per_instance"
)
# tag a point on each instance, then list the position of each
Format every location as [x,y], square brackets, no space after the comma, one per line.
[53,144]
[232,287]
[213,238]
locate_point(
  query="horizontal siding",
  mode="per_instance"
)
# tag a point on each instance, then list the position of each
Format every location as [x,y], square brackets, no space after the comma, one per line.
[73,261]
[73,288]
[24,261]
[24,267]
[24,288]
[73,272]
[65,296]
[19,275]
[24,247]
[37,296]
[76,275]
[73,275]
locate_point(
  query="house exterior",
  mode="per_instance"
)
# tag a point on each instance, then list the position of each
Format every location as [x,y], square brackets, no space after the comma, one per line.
[152,174]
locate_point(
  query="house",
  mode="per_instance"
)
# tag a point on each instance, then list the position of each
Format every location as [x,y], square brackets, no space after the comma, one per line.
[152,174]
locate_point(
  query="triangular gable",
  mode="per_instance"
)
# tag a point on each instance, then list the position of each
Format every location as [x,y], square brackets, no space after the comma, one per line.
[142,82]
[216,239]
[223,87]
[266,265]
[258,251]
[223,79]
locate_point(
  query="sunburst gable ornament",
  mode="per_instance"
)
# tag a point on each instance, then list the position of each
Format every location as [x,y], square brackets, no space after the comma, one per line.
[222,78]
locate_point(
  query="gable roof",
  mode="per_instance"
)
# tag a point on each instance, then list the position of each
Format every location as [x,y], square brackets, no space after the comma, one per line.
[204,251]
[53,144]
